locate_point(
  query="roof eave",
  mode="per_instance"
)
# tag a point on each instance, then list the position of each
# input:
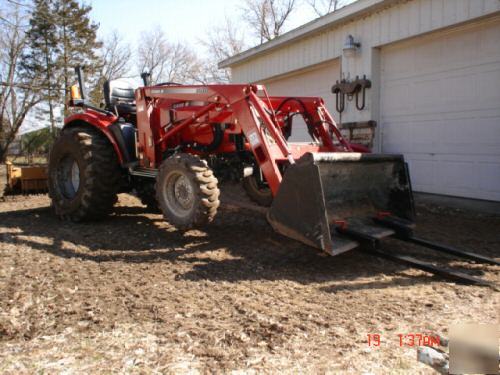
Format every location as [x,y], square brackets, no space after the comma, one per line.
[357,9]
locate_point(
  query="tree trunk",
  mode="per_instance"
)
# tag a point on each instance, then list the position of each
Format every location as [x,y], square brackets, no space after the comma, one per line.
[5,147]
[3,155]
[2,139]
[49,89]
[65,69]
[51,118]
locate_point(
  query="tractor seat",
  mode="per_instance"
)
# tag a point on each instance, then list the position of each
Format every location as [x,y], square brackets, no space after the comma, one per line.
[119,95]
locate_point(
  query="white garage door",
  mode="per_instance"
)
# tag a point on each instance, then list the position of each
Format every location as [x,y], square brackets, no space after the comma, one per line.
[314,82]
[440,107]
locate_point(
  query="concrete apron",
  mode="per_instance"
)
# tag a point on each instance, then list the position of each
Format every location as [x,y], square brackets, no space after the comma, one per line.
[476,205]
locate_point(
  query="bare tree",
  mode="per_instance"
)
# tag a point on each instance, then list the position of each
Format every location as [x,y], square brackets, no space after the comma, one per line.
[166,61]
[17,94]
[221,42]
[267,18]
[323,7]
[116,55]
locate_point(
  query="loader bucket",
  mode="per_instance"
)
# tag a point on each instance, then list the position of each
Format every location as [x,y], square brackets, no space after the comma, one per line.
[322,190]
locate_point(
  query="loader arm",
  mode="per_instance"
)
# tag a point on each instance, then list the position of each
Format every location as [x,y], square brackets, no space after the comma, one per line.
[258,117]
[237,104]
[315,185]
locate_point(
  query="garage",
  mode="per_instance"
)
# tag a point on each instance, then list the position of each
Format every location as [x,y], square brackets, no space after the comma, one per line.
[434,69]
[316,81]
[440,107]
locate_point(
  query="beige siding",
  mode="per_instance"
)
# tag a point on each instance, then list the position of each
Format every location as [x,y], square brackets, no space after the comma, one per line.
[398,20]
[312,82]
[402,20]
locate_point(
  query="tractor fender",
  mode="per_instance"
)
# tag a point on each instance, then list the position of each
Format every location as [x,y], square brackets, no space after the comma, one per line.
[103,123]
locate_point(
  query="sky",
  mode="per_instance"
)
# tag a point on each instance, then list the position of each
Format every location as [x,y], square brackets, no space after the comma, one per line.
[183,21]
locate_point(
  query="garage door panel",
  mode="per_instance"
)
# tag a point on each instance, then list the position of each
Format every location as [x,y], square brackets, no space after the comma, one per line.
[458,92]
[457,137]
[426,95]
[470,136]
[422,176]
[453,47]
[487,134]
[466,136]
[444,113]
[397,136]
[426,56]
[398,100]
[429,147]
[443,93]
[487,83]
[434,174]
[400,64]
[489,177]
[450,175]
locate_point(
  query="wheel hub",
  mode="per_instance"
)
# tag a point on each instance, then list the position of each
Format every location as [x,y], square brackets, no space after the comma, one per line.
[68,172]
[178,193]
[75,176]
[183,192]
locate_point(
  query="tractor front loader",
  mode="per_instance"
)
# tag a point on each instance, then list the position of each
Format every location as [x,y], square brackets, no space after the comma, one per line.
[178,143]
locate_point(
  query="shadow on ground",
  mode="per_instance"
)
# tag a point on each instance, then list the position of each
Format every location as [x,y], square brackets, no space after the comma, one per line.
[237,246]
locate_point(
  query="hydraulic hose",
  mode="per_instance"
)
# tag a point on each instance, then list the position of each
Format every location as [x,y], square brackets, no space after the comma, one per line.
[216,142]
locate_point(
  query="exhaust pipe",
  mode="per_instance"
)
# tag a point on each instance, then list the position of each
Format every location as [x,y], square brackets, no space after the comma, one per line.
[81,81]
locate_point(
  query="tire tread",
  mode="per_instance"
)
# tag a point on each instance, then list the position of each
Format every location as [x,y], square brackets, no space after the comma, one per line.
[207,192]
[101,176]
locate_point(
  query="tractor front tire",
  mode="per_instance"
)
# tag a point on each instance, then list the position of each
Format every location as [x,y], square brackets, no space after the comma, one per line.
[186,191]
[84,175]
[257,192]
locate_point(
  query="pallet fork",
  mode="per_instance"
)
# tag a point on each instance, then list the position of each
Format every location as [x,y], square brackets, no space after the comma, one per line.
[403,231]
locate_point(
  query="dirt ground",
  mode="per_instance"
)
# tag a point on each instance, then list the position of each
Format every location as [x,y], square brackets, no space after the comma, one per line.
[131,294]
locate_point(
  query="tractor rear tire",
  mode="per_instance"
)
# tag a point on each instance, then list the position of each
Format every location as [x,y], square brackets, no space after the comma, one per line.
[84,175]
[186,191]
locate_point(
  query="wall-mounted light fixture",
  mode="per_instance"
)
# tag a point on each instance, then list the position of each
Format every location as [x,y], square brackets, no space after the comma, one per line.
[351,46]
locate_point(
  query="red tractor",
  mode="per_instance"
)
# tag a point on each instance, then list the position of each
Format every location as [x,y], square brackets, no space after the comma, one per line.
[174,144]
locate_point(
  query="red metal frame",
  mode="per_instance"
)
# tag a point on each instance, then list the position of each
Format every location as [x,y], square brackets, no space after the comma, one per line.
[100,121]
[168,116]
[172,116]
